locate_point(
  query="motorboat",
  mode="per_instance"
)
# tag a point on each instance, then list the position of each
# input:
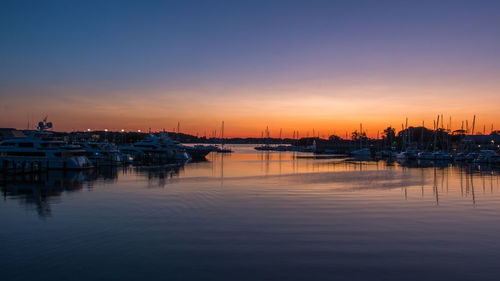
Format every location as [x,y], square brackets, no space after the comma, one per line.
[198,152]
[156,149]
[460,157]
[385,154]
[265,147]
[408,155]
[471,157]
[438,155]
[361,153]
[487,156]
[40,151]
[442,155]
[425,155]
[101,153]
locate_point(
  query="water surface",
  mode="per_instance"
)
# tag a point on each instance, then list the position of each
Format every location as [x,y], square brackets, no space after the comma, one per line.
[254,216]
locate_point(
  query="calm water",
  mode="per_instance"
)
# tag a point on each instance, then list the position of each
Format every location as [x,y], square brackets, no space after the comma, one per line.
[254,216]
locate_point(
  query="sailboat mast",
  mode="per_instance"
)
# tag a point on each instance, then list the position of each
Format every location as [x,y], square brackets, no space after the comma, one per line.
[403,137]
[407,132]
[178,129]
[360,135]
[222,134]
[267,135]
[473,124]
[436,125]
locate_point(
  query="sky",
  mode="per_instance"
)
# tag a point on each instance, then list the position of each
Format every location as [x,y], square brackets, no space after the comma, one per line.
[290,65]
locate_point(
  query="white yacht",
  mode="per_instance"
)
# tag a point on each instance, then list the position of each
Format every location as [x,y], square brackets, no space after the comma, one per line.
[101,153]
[40,151]
[410,154]
[158,148]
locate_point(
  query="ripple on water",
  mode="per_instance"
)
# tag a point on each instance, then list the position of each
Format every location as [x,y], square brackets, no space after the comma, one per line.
[254,216]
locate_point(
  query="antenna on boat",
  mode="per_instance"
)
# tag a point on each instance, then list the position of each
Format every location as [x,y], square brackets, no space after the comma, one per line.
[44,125]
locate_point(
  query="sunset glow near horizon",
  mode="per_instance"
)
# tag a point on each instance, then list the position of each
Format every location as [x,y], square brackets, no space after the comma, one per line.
[290,65]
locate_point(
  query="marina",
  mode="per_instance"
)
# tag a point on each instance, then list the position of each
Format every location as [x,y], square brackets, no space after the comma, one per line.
[40,150]
[250,140]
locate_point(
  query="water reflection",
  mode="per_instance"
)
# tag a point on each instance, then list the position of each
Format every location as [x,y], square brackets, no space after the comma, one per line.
[38,191]
[267,216]
[287,170]
[158,176]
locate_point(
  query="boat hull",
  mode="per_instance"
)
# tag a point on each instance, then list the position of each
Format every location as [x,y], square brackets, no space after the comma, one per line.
[29,164]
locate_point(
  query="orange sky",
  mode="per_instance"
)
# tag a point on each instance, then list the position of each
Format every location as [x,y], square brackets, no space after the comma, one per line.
[327,65]
[327,109]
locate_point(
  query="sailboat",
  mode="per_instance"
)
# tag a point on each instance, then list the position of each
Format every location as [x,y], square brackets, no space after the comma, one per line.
[361,152]
[266,146]
[222,149]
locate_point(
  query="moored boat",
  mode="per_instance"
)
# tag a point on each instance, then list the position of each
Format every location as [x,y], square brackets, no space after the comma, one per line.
[198,152]
[101,153]
[42,151]
[361,153]
[487,156]
[156,149]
